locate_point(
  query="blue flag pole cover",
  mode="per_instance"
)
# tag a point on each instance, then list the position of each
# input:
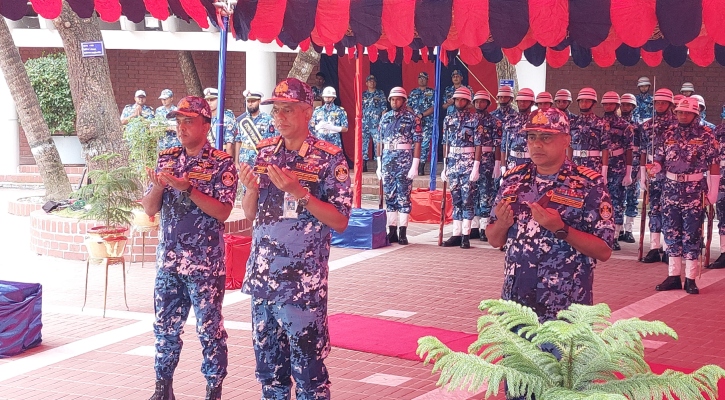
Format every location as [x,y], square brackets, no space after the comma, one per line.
[436,116]
[221,83]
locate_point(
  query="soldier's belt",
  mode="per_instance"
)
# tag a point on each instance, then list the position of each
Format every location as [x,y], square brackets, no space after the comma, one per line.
[248,147]
[616,153]
[486,149]
[684,177]
[586,153]
[399,146]
[519,154]
[461,150]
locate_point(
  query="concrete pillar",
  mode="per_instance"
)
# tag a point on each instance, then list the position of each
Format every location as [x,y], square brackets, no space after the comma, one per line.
[10,144]
[532,77]
[261,72]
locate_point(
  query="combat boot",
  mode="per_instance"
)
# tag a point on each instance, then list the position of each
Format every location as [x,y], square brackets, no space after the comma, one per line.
[616,246]
[665,257]
[652,257]
[483,237]
[402,237]
[421,169]
[719,263]
[620,238]
[691,287]
[475,233]
[627,238]
[465,242]
[453,241]
[213,393]
[164,390]
[671,283]
[392,234]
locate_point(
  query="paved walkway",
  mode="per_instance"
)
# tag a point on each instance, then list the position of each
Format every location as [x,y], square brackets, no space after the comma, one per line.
[85,356]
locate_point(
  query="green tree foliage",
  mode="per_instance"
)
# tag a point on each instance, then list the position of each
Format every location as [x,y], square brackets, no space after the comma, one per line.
[49,78]
[142,136]
[600,359]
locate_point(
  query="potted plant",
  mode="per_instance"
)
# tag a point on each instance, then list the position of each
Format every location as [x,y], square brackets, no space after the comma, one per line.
[599,359]
[109,199]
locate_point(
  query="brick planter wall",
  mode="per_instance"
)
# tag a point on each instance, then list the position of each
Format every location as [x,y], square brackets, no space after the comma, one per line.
[60,237]
[22,208]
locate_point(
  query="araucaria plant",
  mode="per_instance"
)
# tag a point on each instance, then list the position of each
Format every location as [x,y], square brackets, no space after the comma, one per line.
[599,359]
[142,136]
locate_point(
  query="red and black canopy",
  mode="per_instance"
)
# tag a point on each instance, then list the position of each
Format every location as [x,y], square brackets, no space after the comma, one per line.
[602,31]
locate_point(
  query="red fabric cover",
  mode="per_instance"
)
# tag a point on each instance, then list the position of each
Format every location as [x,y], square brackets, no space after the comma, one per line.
[453,41]
[108,10]
[159,9]
[399,21]
[373,53]
[407,54]
[633,20]
[48,9]
[471,20]
[331,21]
[197,12]
[557,59]
[267,22]
[424,54]
[527,41]
[604,53]
[426,206]
[305,44]
[702,50]
[713,16]
[548,21]
[652,59]
[513,54]
[471,55]
[236,253]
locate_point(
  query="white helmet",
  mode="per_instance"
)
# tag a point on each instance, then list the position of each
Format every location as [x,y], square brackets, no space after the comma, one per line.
[525,94]
[700,101]
[462,93]
[329,92]
[505,91]
[611,97]
[643,81]
[544,97]
[629,99]
[689,105]
[587,94]
[563,94]
[664,94]
[687,87]
[398,92]
[482,95]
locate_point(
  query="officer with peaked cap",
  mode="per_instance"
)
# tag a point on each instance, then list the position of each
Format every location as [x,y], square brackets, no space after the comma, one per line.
[373,107]
[330,120]
[652,138]
[631,192]
[644,100]
[513,143]
[689,160]
[590,135]
[421,101]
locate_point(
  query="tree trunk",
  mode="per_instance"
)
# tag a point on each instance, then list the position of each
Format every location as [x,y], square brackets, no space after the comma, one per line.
[55,179]
[304,63]
[97,123]
[504,70]
[188,71]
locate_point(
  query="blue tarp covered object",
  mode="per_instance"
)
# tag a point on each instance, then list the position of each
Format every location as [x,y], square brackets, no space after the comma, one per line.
[20,317]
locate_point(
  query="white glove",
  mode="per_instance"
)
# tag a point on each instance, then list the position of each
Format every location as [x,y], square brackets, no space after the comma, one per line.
[605,168]
[627,176]
[474,171]
[712,188]
[643,178]
[379,170]
[320,127]
[414,169]
[497,171]
[334,128]
[443,172]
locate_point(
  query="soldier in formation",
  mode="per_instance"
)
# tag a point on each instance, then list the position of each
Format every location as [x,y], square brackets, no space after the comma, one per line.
[631,193]
[513,144]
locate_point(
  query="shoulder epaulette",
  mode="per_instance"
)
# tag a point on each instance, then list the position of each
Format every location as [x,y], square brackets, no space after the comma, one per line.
[327,147]
[171,151]
[588,172]
[514,170]
[220,155]
[268,142]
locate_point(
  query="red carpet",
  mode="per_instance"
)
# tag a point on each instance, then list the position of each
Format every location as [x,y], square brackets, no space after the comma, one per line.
[389,338]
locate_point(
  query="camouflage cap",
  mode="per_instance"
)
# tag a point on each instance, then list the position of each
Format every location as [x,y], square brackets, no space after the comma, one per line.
[371,78]
[291,90]
[423,74]
[456,72]
[166,93]
[552,120]
[191,106]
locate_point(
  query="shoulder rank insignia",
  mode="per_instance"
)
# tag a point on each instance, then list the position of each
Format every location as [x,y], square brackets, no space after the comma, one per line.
[588,172]
[327,147]
[268,142]
[220,155]
[514,170]
[175,151]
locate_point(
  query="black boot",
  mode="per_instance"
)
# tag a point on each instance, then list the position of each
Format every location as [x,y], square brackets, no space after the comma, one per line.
[421,169]
[164,390]
[465,242]
[475,233]
[691,287]
[665,257]
[452,241]
[671,283]
[628,238]
[483,237]
[620,238]
[616,246]
[719,263]
[392,234]
[402,238]
[365,165]
[652,257]
[213,393]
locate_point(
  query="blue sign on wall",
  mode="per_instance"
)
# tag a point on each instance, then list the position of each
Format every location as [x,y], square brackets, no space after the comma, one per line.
[506,82]
[92,49]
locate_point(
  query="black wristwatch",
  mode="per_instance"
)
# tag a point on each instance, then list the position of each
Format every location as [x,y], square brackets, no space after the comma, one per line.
[189,189]
[304,200]
[562,233]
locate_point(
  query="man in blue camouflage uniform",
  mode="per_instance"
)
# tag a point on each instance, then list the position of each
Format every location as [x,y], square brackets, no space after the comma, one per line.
[320,80]
[619,176]
[230,129]
[720,205]
[373,106]
[329,121]
[137,109]
[652,139]
[644,101]
[631,192]
[513,143]
[457,78]
[298,191]
[167,105]
[421,101]
[490,170]
[590,135]
[689,159]
[263,122]
[194,187]
[562,101]
[462,133]
[399,138]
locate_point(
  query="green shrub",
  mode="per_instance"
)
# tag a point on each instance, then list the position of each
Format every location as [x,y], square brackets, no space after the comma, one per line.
[49,78]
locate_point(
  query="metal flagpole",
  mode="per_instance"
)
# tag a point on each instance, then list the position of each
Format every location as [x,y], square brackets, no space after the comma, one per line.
[435,139]
[224,9]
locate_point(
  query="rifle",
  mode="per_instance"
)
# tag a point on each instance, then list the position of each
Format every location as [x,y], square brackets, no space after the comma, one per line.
[443,213]
[642,225]
[651,145]
[380,192]
[708,242]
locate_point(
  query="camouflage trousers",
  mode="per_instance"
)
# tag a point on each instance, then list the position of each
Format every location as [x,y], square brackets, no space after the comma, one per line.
[631,195]
[368,137]
[396,185]
[425,144]
[655,208]
[487,188]
[615,177]
[464,193]
[720,207]
[682,215]
[174,295]
[291,341]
